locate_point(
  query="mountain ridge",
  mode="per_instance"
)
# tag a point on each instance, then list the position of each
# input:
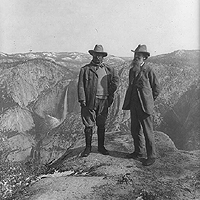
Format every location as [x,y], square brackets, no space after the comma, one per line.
[53,78]
[40,115]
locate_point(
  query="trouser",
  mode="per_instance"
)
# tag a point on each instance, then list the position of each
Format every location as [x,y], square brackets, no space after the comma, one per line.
[140,119]
[96,116]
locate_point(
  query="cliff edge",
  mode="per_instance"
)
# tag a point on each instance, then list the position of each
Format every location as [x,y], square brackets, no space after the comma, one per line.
[175,175]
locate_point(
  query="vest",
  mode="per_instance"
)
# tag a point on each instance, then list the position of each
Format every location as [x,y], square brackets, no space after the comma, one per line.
[102,85]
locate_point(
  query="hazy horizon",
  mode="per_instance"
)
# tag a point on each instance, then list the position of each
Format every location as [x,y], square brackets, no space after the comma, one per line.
[76,26]
[89,54]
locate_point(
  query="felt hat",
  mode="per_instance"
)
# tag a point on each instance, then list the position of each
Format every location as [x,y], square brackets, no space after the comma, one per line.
[98,49]
[141,49]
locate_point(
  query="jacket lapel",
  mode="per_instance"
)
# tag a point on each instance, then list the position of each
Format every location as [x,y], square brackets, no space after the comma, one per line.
[93,69]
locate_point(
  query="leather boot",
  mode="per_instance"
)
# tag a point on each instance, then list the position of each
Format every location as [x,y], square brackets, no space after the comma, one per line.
[88,141]
[101,138]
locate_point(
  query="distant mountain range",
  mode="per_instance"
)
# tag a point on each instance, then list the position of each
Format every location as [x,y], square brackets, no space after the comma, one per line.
[72,60]
[40,115]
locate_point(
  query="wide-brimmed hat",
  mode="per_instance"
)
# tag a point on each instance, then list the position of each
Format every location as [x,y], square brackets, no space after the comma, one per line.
[141,49]
[98,49]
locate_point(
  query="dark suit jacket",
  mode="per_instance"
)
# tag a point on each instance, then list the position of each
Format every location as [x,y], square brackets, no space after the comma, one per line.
[87,84]
[147,89]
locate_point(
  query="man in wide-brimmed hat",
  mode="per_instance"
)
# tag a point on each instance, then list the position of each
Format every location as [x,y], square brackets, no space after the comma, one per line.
[142,91]
[96,86]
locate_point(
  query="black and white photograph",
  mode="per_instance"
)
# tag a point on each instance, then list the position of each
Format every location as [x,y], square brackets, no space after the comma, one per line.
[99,100]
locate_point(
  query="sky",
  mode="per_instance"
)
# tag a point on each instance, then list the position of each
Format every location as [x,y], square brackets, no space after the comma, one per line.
[119,25]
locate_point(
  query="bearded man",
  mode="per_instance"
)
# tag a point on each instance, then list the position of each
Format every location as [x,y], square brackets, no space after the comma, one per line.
[142,91]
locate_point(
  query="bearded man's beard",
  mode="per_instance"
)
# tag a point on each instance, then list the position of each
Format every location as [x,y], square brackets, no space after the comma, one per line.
[135,64]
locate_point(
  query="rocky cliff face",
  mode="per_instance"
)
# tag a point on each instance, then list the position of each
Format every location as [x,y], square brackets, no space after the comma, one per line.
[32,102]
[177,107]
[39,113]
[179,101]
